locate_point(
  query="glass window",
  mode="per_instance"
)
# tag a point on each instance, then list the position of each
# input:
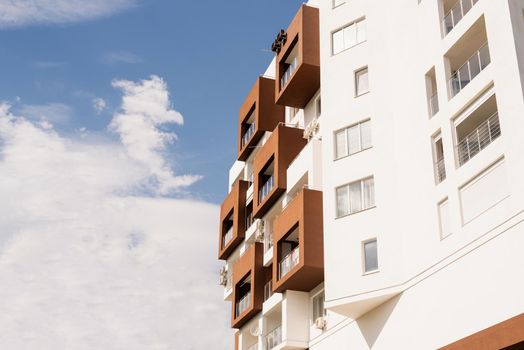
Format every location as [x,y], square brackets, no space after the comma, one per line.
[353,139]
[318,306]
[342,201]
[370,256]
[350,36]
[361,82]
[365,135]
[443,211]
[338,41]
[368,190]
[341,149]
[355,197]
[361,31]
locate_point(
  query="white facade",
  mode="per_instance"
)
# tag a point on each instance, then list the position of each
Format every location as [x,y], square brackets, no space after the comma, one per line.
[446,159]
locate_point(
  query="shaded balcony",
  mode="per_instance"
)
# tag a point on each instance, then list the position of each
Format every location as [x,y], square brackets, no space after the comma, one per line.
[298,235]
[454,11]
[258,114]
[298,59]
[232,219]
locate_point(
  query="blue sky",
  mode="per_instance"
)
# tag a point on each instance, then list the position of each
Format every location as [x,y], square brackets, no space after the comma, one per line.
[209,54]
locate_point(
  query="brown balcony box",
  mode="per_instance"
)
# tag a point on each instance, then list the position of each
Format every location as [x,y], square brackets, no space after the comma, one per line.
[298,61]
[232,219]
[248,285]
[258,114]
[301,266]
[270,166]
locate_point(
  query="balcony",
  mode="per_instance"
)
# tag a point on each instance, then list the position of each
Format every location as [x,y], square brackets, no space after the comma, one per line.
[469,70]
[298,59]
[270,165]
[232,219]
[248,286]
[274,338]
[298,251]
[455,13]
[258,114]
[478,139]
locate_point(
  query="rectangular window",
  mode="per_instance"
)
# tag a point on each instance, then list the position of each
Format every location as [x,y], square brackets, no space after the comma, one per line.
[361,82]
[443,213]
[355,197]
[370,256]
[338,3]
[353,139]
[349,36]
[318,306]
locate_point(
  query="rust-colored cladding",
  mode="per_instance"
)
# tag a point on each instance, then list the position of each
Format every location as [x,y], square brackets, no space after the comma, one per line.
[303,31]
[304,211]
[282,146]
[267,114]
[235,203]
[499,336]
[237,340]
[249,264]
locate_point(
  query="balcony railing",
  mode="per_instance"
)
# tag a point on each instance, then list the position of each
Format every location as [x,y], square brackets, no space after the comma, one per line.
[288,263]
[268,241]
[249,220]
[479,139]
[440,170]
[268,290]
[274,338]
[456,13]
[433,104]
[289,72]
[247,135]
[469,70]
[227,237]
[242,304]
[266,188]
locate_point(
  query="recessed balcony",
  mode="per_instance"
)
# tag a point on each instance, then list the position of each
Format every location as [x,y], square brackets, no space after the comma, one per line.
[232,219]
[298,59]
[454,11]
[258,114]
[248,285]
[298,252]
[270,166]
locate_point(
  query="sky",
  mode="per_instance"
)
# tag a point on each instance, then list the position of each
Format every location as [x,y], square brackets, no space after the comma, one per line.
[117,129]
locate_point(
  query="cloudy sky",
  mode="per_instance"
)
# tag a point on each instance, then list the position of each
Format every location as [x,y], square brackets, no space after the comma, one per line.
[116,132]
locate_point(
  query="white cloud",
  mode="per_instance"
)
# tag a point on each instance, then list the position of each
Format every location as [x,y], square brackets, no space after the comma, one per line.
[145,109]
[18,13]
[84,264]
[115,57]
[99,105]
[57,113]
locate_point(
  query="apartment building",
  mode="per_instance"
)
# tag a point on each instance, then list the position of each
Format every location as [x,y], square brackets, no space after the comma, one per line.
[377,200]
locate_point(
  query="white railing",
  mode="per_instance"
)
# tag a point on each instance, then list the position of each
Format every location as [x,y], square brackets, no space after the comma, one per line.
[274,338]
[289,72]
[249,221]
[247,136]
[268,241]
[469,70]
[433,104]
[227,237]
[266,188]
[268,290]
[288,263]
[456,13]
[242,304]
[479,139]
[440,170]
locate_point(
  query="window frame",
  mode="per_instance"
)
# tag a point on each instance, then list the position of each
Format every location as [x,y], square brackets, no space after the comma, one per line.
[334,5]
[356,75]
[341,29]
[362,201]
[313,297]
[345,130]
[364,265]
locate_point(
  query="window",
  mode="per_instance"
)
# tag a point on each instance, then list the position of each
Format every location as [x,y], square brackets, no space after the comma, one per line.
[443,213]
[370,256]
[438,158]
[337,3]
[318,306]
[349,36]
[355,197]
[361,82]
[318,107]
[353,139]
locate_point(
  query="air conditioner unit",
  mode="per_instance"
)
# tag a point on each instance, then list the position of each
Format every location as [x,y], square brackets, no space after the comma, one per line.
[320,323]
[223,276]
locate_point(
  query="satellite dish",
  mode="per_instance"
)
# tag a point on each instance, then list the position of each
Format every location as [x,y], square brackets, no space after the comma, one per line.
[255,331]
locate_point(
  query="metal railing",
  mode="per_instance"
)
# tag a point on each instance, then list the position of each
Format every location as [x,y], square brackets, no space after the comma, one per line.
[433,104]
[266,188]
[479,139]
[268,290]
[440,170]
[274,338]
[289,72]
[469,70]
[268,241]
[242,304]
[288,262]
[247,135]
[457,12]
[227,237]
